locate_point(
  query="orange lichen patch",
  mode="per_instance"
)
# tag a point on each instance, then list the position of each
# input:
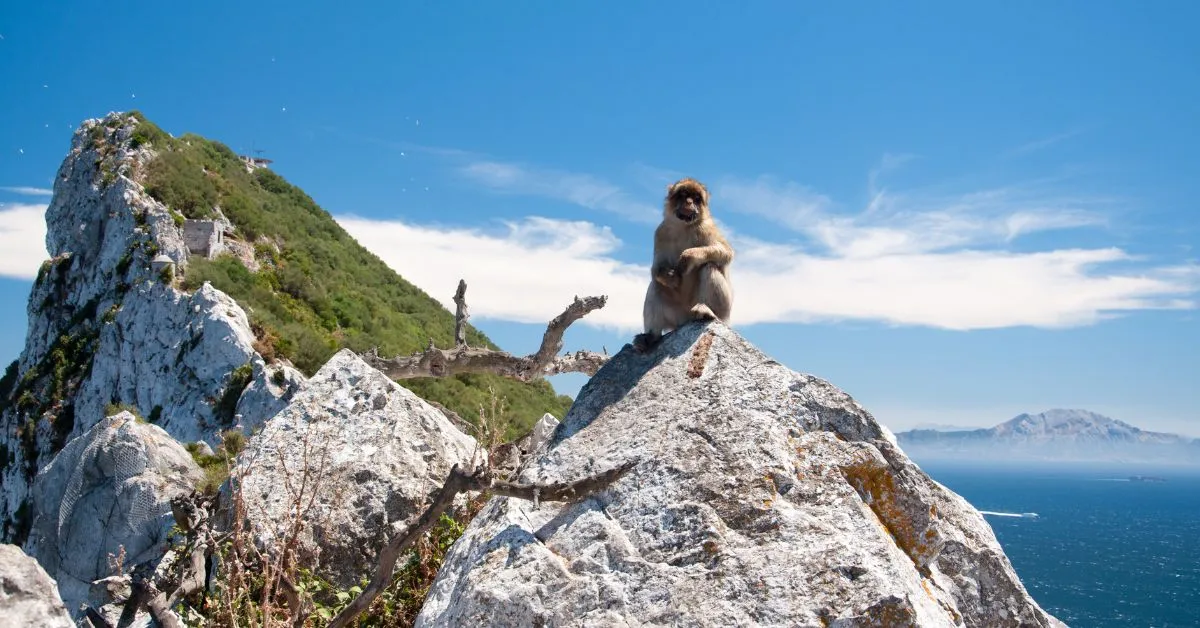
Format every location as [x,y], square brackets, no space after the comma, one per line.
[891,612]
[876,486]
[955,616]
[700,355]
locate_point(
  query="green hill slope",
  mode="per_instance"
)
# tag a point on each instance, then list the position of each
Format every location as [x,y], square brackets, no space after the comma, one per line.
[317,289]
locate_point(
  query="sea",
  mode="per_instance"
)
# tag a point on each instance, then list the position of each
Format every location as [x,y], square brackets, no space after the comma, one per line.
[1094,546]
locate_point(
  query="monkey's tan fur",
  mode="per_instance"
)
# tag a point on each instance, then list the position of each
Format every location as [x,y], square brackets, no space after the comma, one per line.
[690,271]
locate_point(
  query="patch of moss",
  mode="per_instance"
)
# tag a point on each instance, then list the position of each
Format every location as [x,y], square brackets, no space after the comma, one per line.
[216,466]
[7,383]
[226,406]
[117,408]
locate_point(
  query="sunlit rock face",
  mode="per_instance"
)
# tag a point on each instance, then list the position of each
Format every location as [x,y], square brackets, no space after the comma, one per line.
[108,327]
[361,453]
[759,497]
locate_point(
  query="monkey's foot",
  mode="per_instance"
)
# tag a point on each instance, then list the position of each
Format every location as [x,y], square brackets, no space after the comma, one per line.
[701,312]
[645,342]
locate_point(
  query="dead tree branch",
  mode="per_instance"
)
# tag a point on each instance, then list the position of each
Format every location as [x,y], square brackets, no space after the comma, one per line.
[458,482]
[434,362]
[460,314]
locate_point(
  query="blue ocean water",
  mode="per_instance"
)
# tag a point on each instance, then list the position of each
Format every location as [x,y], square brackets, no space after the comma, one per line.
[1103,550]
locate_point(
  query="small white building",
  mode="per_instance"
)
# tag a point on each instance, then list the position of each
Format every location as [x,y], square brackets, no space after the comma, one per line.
[203,237]
[161,262]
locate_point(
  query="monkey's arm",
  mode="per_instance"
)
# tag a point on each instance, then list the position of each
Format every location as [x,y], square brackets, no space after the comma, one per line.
[664,272]
[664,269]
[719,253]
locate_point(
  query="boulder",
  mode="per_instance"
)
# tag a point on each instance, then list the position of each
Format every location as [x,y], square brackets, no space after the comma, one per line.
[107,492]
[28,595]
[359,453]
[760,497]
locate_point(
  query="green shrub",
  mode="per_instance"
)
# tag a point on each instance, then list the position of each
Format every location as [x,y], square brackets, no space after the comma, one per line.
[239,379]
[117,408]
[321,291]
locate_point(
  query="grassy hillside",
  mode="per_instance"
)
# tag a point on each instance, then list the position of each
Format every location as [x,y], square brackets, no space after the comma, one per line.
[317,289]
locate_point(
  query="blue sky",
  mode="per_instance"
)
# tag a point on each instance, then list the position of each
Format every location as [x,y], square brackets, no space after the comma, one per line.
[954,212]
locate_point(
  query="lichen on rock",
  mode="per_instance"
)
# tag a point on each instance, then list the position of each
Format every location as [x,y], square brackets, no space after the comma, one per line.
[760,496]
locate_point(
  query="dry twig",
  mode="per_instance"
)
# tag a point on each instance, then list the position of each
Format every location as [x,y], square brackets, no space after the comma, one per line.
[434,362]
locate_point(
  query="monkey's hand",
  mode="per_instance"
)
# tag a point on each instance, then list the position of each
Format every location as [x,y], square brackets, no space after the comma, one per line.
[668,277]
[692,258]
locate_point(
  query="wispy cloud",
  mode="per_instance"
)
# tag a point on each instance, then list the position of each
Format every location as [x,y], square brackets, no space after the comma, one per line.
[22,240]
[932,257]
[579,189]
[907,222]
[547,262]
[1040,144]
[28,191]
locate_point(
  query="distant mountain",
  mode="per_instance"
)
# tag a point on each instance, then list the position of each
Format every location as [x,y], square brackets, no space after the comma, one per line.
[1054,435]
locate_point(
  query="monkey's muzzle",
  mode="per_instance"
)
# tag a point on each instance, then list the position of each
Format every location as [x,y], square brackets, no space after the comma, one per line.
[686,214]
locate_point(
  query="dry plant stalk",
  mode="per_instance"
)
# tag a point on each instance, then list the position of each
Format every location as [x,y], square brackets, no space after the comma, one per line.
[460,481]
[434,362]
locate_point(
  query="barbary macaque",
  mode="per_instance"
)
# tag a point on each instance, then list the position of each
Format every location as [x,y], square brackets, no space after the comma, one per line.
[690,270]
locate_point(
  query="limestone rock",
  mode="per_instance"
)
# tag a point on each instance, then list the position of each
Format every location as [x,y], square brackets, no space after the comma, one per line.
[374,452]
[760,497]
[28,596]
[105,329]
[106,490]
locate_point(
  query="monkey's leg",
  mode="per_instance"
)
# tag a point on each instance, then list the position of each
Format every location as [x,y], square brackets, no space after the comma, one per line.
[656,316]
[714,297]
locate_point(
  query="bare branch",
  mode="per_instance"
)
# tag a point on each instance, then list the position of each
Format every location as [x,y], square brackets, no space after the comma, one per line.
[434,362]
[460,315]
[458,482]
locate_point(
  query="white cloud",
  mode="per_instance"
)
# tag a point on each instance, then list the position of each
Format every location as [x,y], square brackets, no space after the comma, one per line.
[28,191]
[531,270]
[911,222]
[22,240]
[579,189]
[527,272]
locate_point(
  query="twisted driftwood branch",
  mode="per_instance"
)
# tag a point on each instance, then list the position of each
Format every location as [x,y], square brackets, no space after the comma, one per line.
[434,362]
[460,481]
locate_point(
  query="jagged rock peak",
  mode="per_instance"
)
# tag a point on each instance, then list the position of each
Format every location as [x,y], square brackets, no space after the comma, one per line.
[107,329]
[760,497]
[364,451]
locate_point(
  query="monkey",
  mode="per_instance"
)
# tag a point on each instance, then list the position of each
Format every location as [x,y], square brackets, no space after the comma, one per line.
[689,274]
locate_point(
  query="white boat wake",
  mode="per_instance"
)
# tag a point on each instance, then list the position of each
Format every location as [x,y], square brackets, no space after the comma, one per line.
[1019,515]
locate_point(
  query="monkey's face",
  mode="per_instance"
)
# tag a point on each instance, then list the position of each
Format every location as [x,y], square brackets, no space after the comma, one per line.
[687,200]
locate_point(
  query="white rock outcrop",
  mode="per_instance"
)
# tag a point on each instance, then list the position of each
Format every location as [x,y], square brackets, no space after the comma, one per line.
[760,497]
[28,595]
[107,492]
[105,329]
[364,452]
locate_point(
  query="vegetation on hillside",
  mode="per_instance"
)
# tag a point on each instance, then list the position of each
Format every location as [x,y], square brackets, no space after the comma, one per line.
[317,289]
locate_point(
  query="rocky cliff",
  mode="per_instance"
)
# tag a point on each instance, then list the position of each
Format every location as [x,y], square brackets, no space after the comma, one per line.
[760,497]
[109,328]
